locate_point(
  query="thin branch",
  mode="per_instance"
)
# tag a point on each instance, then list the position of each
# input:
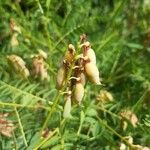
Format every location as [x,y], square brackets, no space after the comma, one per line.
[22,106]
[46,139]
[21,127]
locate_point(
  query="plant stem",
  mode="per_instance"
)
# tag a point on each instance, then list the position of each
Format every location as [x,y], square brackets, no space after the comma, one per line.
[109,112]
[51,110]
[49,136]
[21,127]
[57,98]
[114,132]
[25,93]
[20,105]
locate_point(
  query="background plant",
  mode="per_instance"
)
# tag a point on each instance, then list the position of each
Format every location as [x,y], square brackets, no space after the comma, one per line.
[119,33]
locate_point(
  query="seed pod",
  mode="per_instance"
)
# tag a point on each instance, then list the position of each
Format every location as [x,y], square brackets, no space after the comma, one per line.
[78,92]
[92,72]
[14,41]
[39,68]
[69,56]
[91,55]
[19,65]
[89,52]
[61,75]
[43,73]
[67,107]
[83,78]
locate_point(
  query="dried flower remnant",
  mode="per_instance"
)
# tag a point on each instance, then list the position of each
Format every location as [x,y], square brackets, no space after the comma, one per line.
[69,55]
[104,96]
[45,133]
[15,31]
[130,116]
[6,126]
[39,67]
[122,146]
[13,26]
[83,38]
[19,65]
[129,139]
[89,52]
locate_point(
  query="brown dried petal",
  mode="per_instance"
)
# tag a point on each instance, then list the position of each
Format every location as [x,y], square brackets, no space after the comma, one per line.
[6,126]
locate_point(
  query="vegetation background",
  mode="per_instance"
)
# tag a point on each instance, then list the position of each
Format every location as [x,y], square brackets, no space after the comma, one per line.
[119,31]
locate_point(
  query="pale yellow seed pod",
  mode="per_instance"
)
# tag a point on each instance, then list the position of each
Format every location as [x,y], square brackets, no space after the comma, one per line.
[19,65]
[92,72]
[67,107]
[89,52]
[39,68]
[83,79]
[44,73]
[91,55]
[61,75]
[14,41]
[78,92]
[26,73]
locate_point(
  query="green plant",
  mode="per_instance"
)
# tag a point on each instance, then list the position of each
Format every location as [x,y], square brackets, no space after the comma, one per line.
[119,34]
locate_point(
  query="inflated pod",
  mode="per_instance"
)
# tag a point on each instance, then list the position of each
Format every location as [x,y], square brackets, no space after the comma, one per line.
[14,41]
[89,52]
[25,72]
[83,78]
[61,75]
[91,55]
[78,92]
[43,73]
[19,65]
[92,72]
[67,107]
[39,68]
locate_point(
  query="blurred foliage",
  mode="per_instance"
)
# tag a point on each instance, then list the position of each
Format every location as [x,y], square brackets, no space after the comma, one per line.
[119,31]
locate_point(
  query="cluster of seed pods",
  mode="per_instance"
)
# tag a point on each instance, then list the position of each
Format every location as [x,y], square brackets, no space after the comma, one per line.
[84,68]
[38,70]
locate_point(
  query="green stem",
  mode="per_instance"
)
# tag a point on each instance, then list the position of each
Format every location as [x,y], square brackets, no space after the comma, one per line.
[114,132]
[20,105]
[57,98]
[136,107]
[50,135]
[51,110]
[21,127]
[109,112]
[25,93]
